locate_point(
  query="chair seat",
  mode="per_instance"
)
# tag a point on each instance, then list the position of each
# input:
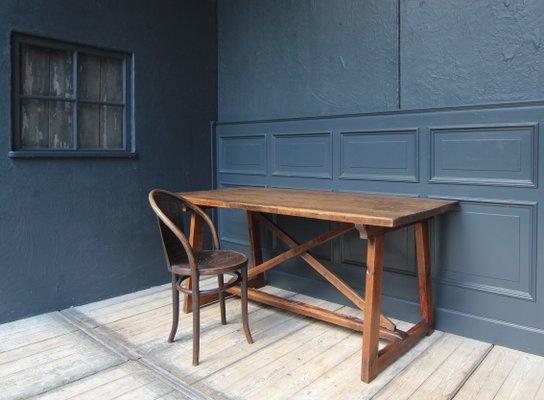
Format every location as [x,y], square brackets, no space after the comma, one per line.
[211,262]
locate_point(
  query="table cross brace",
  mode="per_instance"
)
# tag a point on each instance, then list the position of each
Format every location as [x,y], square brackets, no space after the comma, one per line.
[297,249]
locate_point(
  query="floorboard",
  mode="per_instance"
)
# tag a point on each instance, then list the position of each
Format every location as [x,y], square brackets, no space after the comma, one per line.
[438,372]
[128,380]
[343,380]
[506,374]
[117,349]
[64,356]
[32,330]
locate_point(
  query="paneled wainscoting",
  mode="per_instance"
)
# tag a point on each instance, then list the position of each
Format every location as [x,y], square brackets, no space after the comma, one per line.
[487,257]
[117,348]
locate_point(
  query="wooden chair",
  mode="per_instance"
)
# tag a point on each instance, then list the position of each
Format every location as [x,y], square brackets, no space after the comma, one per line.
[185,263]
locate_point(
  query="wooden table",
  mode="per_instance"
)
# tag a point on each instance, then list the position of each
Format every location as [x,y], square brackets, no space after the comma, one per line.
[372,216]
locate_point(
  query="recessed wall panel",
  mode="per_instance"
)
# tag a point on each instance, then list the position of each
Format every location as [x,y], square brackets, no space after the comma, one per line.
[305,155]
[233,226]
[399,250]
[302,230]
[242,155]
[502,155]
[382,155]
[489,247]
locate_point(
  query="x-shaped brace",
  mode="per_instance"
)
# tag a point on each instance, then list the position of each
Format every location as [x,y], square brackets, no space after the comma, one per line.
[295,249]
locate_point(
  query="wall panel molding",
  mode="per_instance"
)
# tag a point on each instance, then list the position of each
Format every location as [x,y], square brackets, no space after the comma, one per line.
[302,154]
[501,155]
[379,155]
[243,154]
[488,246]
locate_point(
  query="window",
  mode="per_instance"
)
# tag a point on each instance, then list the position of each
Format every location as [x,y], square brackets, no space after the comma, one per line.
[70,100]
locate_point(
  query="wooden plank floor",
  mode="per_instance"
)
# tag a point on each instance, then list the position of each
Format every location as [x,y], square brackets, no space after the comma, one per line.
[117,349]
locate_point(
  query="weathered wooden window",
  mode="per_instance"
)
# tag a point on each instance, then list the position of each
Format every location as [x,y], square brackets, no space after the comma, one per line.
[70,100]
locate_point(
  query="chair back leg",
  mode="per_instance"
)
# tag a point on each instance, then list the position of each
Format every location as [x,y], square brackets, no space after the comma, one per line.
[244,305]
[175,310]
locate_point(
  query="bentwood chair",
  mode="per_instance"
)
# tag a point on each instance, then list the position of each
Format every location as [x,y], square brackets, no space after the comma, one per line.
[183,262]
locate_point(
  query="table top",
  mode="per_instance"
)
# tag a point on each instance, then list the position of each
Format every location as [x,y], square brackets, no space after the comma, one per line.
[365,209]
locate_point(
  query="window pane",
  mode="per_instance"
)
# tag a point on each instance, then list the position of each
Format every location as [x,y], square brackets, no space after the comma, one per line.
[88,126]
[34,124]
[88,80]
[111,127]
[60,73]
[100,78]
[100,127]
[46,72]
[111,80]
[46,124]
[61,125]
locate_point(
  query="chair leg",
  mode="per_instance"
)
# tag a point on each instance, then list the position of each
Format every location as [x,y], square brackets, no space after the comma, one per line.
[222,299]
[244,305]
[196,317]
[175,310]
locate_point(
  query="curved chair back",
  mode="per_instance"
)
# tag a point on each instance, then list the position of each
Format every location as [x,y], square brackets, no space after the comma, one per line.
[170,209]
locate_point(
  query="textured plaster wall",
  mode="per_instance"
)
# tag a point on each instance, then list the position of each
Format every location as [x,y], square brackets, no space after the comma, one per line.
[302,58]
[77,230]
[297,58]
[471,52]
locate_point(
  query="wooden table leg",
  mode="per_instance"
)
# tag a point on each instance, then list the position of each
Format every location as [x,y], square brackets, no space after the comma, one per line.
[373,297]
[374,360]
[256,249]
[424,273]
[196,239]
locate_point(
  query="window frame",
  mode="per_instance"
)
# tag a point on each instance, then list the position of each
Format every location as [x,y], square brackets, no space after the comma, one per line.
[128,148]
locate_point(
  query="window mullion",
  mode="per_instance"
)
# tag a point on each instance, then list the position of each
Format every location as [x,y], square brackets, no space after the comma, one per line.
[124,72]
[17,111]
[101,103]
[47,98]
[76,103]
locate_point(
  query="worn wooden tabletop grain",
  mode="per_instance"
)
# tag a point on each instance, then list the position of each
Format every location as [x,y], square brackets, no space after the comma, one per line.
[365,209]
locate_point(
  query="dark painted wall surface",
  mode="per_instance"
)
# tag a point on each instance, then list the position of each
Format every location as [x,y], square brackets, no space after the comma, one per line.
[76,230]
[487,256]
[279,59]
[471,52]
[296,58]
[301,58]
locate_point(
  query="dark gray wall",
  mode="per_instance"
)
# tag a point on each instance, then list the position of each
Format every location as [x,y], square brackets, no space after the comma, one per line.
[297,58]
[284,59]
[471,52]
[301,58]
[487,256]
[77,230]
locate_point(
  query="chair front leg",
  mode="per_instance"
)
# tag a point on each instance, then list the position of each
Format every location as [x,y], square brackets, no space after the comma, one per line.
[222,299]
[175,309]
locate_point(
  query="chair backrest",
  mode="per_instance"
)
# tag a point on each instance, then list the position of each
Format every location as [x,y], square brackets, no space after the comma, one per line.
[170,209]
